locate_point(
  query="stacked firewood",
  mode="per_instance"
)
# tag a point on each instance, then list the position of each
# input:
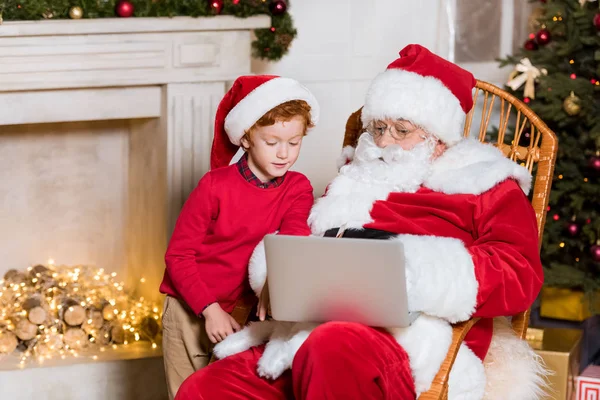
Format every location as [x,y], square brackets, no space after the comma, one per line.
[50,311]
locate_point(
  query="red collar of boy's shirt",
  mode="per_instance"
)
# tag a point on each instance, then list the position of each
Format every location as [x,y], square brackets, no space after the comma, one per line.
[249,176]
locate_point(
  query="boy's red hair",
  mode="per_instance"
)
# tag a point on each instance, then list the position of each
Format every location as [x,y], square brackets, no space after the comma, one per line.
[282,113]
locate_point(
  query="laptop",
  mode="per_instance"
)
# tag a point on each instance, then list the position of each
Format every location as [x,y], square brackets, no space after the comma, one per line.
[319,279]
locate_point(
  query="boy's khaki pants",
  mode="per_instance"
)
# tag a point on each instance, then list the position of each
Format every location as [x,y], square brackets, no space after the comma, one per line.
[186,347]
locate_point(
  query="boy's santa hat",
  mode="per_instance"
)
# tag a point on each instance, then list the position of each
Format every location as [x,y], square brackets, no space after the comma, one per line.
[425,89]
[246,102]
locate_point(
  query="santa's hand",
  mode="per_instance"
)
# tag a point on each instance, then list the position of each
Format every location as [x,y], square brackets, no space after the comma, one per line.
[264,305]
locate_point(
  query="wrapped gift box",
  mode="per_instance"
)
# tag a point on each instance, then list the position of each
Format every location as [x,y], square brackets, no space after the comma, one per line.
[560,349]
[588,383]
[590,342]
[567,304]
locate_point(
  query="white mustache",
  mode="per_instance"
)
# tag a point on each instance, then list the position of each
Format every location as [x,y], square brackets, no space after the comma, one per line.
[368,151]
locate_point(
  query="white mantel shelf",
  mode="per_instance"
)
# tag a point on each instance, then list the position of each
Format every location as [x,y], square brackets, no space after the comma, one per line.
[131,25]
[109,52]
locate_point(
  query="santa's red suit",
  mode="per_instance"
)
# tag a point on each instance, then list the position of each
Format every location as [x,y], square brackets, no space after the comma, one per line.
[471,250]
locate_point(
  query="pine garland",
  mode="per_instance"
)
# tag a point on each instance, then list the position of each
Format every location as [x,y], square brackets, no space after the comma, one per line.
[270,44]
[572,60]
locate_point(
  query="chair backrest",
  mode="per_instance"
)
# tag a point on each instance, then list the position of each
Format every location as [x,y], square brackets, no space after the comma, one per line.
[538,151]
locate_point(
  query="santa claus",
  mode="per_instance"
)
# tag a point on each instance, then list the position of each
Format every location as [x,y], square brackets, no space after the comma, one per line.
[469,233]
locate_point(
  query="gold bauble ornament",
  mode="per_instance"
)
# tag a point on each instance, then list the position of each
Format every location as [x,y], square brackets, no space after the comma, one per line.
[571,105]
[76,12]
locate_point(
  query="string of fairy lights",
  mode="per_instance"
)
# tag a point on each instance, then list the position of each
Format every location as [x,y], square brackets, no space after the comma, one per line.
[53,310]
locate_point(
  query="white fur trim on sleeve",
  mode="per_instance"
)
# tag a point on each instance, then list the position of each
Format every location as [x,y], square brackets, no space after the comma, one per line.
[426,342]
[252,335]
[282,348]
[467,376]
[346,155]
[440,277]
[257,268]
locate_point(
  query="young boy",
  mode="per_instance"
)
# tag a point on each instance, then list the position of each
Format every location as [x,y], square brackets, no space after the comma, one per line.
[233,207]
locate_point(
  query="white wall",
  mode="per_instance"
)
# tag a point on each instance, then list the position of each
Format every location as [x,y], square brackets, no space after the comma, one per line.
[343,44]
[340,47]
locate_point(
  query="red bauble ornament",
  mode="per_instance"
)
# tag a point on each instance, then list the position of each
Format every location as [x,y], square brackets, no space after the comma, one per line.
[556,217]
[530,45]
[595,251]
[216,6]
[124,9]
[278,7]
[595,163]
[573,229]
[597,21]
[525,138]
[543,37]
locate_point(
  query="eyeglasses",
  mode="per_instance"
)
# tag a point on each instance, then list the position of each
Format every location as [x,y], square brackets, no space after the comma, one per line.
[399,130]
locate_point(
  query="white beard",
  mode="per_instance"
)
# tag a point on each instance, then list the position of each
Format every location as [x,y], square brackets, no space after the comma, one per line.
[372,175]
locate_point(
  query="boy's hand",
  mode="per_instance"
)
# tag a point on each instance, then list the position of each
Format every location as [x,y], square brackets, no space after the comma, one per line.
[264,306]
[219,324]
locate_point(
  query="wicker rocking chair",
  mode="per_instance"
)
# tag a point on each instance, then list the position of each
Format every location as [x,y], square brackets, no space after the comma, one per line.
[540,152]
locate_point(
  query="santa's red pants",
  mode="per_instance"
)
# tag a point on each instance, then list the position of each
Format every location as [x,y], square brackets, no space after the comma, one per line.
[337,361]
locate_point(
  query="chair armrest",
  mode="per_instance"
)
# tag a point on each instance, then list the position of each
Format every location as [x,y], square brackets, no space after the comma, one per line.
[519,323]
[243,308]
[439,386]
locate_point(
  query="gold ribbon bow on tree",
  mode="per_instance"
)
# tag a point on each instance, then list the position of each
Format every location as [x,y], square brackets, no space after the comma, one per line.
[528,75]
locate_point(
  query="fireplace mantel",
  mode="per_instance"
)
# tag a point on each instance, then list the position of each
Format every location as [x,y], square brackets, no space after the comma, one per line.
[156,82]
[58,27]
[59,54]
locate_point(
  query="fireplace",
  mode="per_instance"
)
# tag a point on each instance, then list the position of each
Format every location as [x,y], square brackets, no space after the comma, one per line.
[105,128]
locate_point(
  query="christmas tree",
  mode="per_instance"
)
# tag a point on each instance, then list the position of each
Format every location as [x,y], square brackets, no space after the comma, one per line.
[562,61]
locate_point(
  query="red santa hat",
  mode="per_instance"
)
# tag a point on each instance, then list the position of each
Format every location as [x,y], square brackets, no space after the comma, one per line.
[246,102]
[425,89]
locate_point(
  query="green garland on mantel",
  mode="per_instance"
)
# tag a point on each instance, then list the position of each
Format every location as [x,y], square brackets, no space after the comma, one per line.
[270,43]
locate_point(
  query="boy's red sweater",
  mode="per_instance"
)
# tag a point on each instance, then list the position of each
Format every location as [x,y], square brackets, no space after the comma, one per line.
[221,223]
